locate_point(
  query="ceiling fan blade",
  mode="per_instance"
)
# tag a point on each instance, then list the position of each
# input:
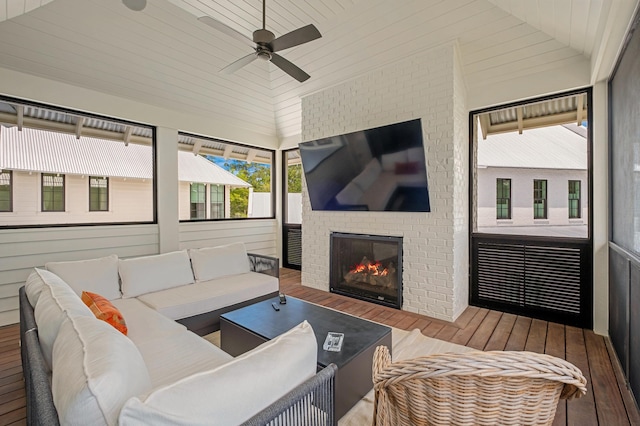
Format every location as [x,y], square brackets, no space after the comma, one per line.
[135,5]
[295,38]
[235,66]
[289,68]
[223,28]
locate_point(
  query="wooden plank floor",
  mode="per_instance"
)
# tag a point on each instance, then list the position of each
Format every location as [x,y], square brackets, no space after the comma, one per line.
[608,401]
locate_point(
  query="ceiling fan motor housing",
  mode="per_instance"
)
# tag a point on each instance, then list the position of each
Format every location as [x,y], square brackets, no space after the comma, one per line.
[263,37]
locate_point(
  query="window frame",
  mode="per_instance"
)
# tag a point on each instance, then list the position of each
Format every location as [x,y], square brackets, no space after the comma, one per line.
[42,192]
[537,199]
[10,173]
[508,199]
[191,203]
[577,200]
[219,205]
[106,193]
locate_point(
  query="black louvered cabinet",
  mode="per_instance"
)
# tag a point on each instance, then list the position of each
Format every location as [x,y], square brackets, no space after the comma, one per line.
[543,278]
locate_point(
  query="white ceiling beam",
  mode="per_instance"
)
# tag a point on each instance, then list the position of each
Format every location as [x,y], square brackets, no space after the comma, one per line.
[485,125]
[127,135]
[520,120]
[251,155]
[55,126]
[20,116]
[227,152]
[79,124]
[533,123]
[197,147]
[579,108]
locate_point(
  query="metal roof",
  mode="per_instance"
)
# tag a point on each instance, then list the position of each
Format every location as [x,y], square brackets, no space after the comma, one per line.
[55,152]
[556,147]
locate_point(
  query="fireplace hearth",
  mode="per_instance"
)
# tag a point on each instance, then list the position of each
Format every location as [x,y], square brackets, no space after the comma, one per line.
[367,267]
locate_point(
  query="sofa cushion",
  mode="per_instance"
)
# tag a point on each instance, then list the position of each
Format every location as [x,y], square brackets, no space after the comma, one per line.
[213,262]
[207,296]
[147,274]
[232,393]
[170,352]
[94,275]
[96,370]
[104,311]
[55,298]
[144,323]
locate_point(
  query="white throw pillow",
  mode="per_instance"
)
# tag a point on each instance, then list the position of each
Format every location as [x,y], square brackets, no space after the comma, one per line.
[95,275]
[389,160]
[350,194]
[368,176]
[233,392]
[55,299]
[215,262]
[96,369]
[148,274]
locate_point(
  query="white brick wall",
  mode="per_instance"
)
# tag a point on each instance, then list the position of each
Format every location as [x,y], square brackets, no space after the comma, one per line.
[427,86]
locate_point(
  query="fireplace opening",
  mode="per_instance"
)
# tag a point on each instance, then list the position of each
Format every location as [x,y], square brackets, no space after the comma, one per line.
[367,267]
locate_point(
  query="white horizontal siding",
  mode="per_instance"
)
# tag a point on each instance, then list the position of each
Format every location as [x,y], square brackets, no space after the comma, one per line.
[130,200]
[259,236]
[23,249]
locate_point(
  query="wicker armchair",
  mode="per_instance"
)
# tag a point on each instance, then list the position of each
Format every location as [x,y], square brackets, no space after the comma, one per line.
[474,388]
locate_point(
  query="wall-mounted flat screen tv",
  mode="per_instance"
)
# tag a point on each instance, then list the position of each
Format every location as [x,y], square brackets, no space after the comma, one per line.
[379,169]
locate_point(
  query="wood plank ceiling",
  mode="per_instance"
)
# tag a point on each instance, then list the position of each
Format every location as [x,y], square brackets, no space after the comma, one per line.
[163,56]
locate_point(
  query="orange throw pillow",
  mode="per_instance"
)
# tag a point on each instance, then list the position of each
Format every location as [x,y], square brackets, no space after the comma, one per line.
[104,310]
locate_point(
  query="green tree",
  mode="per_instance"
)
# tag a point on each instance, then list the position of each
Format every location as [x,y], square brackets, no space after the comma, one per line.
[258,175]
[294,178]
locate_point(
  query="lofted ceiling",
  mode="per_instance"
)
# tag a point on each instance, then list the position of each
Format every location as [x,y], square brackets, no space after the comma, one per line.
[164,57]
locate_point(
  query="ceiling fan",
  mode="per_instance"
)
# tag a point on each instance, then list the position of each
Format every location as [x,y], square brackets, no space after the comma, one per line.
[267,44]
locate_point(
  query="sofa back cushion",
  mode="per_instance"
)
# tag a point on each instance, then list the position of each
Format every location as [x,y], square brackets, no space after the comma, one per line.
[55,299]
[233,392]
[94,275]
[96,369]
[215,262]
[148,274]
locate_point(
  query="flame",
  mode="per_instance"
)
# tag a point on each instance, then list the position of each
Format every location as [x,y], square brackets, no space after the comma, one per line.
[371,268]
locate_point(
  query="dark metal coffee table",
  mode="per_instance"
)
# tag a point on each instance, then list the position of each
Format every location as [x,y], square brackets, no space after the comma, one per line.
[244,329]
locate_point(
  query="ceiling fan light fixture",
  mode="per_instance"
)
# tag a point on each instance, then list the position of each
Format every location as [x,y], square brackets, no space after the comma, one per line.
[265,55]
[135,5]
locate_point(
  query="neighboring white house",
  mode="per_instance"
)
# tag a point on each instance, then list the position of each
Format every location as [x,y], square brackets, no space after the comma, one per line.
[56,178]
[534,182]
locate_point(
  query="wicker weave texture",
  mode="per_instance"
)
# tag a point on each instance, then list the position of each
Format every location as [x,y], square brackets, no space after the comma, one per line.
[474,388]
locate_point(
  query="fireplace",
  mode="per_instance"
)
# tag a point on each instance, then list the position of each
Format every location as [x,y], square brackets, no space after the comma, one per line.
[367,267]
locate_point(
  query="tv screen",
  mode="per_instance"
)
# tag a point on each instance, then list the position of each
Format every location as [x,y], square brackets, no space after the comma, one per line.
[380,169]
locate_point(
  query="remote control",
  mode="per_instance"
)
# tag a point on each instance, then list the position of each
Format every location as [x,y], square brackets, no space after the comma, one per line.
[276,307]
[283,299]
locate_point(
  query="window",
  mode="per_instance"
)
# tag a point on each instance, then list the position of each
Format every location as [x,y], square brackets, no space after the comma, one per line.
[198,201]
[574,199]
[6,191]
[98,194]
[52,192]
[239,179]
[503,198]
[539,199]
[217,201]
[94,170]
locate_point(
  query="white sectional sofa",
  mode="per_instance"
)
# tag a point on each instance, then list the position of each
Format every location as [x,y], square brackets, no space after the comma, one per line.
[82,370]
